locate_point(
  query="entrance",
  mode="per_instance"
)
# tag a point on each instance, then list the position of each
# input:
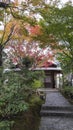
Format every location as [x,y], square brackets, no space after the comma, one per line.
[49,81]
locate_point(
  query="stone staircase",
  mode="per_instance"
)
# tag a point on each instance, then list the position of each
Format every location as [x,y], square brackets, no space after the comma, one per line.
[56,113]
[66,111]
[56,105]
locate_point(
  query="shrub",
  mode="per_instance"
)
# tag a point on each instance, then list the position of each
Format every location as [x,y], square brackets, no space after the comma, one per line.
[16,92]
[6,125]
[68,91]
[36,100]
[37,84]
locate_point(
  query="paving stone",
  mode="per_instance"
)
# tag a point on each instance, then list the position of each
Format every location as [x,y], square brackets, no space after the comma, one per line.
[56,99]
[56,123]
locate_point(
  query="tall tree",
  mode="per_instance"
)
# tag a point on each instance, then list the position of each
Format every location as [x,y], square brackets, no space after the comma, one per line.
[57,31]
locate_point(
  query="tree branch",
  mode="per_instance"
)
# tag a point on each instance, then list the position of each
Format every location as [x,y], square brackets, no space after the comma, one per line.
[9,36]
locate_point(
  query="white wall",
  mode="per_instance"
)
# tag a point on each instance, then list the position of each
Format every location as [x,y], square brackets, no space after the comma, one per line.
[59,80]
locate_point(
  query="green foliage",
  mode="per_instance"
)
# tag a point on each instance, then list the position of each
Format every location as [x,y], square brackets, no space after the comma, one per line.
[6,125]
[16,91]
[36,100]
[68,91]
[27,61]
[2,15]
[66,62]
[1,78]
[24,120]
[57,27]
[12,97]
[37,84]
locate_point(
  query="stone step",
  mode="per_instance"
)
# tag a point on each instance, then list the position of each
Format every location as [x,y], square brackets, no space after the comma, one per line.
[65,113]
[46,107]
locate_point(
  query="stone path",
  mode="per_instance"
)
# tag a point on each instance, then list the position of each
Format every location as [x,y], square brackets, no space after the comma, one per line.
[56,113]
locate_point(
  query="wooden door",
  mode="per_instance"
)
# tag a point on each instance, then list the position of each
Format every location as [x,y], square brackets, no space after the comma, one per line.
[48,81]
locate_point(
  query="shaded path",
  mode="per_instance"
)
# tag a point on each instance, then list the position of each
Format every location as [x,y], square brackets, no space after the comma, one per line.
[56,113]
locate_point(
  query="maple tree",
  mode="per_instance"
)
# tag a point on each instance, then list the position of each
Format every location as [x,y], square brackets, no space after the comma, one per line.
[31,50]
[7,12]
[24,14]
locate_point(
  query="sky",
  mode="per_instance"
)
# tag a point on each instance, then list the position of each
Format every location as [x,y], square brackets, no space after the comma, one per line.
[64,1]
